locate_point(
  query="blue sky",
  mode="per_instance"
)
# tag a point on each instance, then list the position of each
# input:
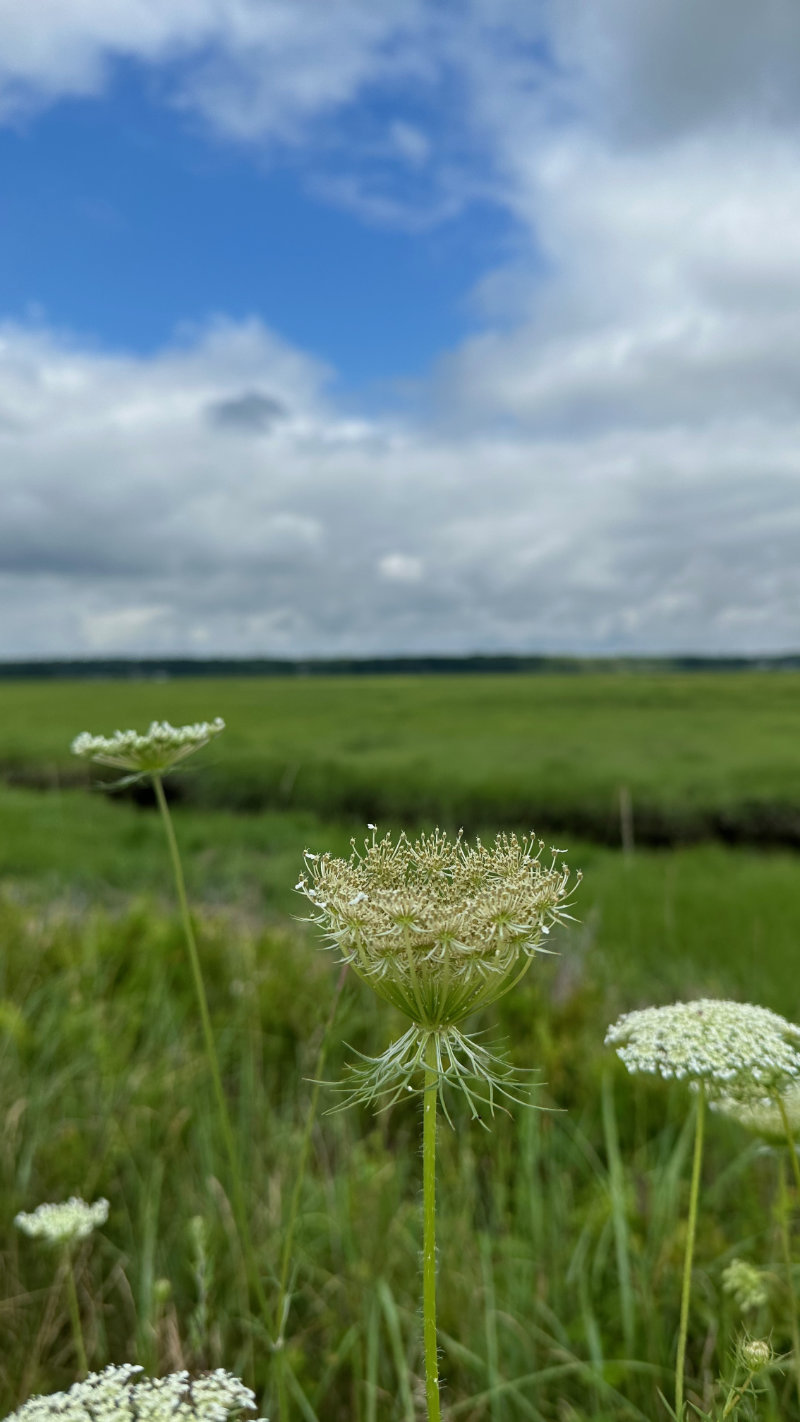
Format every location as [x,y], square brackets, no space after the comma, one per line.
[334,328]
[125,222]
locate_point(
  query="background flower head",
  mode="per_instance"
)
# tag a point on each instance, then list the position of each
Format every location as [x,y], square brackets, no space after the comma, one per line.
[120,1392]
[735,1050]
[65,1223]
[153,752]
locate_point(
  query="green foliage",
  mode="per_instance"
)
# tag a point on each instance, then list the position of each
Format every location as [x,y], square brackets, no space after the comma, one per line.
[698,754]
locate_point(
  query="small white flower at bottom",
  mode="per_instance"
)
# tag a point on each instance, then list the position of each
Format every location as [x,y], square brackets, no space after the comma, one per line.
[63,1223]
[120,1394]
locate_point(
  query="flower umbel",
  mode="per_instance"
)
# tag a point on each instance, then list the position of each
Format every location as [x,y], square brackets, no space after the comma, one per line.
[747,1285]
[66,1223]
[738,1052]
[161,747]
[438,928]
[120,1394]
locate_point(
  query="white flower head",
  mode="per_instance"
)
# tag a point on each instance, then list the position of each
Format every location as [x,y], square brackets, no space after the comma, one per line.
[736,1051]
[152,753]
[436,925]
[121,1394]
[439,928]
[66,1223]
[765,1116]
[747,1285]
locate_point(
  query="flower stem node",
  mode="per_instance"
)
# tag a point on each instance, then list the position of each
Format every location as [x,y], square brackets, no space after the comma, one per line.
[120,1394]
[63,1224]
[439,929]
[151,753]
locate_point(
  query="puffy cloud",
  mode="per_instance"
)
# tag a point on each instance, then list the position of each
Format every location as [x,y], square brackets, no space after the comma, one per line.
[611,463]
[134,524]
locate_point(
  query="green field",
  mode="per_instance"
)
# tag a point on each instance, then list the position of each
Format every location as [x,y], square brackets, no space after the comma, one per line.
[700,755]
[558,1228]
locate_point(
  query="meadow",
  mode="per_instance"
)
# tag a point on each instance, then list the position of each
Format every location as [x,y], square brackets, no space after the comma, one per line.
[561,1229]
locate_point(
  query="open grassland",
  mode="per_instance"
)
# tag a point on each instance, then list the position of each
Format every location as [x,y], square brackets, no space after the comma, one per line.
[698,755]
[561,1231]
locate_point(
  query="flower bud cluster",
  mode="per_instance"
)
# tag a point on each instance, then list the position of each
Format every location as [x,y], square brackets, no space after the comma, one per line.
[734,1050]
[66,1223]
[435,925]
[119,1394]
[754,1354]
[152,753]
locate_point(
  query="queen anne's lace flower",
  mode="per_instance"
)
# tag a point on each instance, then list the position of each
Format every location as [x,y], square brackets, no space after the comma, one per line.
[434,924]
[120,1394]
[439,928]
[764,1117]
[747,1285]
[150,754]
[65,1223]
[738,1052]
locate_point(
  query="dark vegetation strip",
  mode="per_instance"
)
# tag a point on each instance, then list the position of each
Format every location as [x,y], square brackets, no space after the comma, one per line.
[332,790]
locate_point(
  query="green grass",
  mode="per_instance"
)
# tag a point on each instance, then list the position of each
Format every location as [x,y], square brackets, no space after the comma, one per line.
[699,754]
[559,1229]
[104,1090]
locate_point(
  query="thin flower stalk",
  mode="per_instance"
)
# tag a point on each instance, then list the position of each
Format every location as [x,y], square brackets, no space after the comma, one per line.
[150,756]
[431,1092]
[439,929]
[240,1210]
[775,1118]
[65,1225]
[734,1055]
[691,1232]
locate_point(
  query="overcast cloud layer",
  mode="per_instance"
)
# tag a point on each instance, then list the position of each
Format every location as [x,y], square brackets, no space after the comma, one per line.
[613,464]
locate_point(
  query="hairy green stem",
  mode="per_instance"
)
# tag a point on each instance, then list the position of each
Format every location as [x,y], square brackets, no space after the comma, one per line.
[211,1054]
[786,1249]
[429,1231]
[691,1230]
[75,1315]
[282,1309]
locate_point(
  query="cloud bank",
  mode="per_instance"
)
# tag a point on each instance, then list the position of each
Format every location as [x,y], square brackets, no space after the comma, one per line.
[611,464]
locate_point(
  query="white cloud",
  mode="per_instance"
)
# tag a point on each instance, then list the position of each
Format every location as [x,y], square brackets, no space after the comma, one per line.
[136,521]
[612,463]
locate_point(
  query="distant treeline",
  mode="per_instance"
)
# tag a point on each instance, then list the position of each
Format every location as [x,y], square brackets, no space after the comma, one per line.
[163,668]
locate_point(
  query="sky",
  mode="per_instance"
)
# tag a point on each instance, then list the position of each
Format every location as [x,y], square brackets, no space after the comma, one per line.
[449,326]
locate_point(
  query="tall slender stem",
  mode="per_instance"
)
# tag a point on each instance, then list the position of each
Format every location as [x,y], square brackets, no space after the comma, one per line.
[691,1230]
[75,1315]
[787,1126]
[786,1249]
[211,1053]
[429,1231]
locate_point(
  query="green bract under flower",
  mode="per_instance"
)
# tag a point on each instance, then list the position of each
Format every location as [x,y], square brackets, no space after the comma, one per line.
[437,926]
[121,1394]
[65,1223]
[737,1052]
[150,754]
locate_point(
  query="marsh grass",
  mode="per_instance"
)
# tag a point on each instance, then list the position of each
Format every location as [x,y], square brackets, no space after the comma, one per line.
[695,756]
[104,1090]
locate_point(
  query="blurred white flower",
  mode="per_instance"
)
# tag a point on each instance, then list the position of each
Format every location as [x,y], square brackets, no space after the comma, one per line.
[120,1394]
[65,1223]
[738,1052]
[161,747]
